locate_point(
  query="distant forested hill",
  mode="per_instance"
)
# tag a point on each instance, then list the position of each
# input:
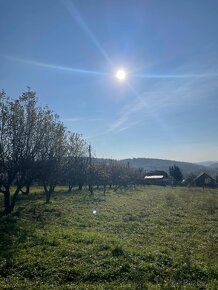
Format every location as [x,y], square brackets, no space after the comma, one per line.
[160,164]
[214,165]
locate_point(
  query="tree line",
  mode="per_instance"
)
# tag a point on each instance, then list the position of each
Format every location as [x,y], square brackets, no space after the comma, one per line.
[35,147]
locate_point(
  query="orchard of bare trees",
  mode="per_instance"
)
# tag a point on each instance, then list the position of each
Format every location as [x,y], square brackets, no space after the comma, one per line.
[36,148]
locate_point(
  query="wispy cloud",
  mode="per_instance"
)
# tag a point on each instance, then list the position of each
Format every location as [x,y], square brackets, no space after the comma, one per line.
[124,118]
[52,66]
[71,119]
[81,119]
[167,92]
[174,76]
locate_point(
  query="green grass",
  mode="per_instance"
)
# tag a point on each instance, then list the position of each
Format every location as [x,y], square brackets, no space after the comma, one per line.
[144,238]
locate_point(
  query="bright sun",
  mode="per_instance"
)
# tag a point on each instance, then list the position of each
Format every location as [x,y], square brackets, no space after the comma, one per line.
[120,74]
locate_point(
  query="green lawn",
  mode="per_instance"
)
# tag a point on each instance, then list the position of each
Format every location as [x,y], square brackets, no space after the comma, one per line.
[144,238]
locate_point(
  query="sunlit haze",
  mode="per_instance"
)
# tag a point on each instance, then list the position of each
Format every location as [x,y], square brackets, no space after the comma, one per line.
[136,78]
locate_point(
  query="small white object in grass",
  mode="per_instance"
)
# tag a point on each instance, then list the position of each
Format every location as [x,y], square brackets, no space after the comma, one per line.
[94,211]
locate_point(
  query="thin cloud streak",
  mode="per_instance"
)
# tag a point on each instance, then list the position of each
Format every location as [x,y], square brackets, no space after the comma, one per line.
[171,94]
[174,76]
[125,115]
[81,119]
[124,121]
[51,66]
[71,119]
[130,124]
[165,94]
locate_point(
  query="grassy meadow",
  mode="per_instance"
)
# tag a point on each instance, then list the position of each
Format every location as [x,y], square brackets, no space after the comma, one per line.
[144,238]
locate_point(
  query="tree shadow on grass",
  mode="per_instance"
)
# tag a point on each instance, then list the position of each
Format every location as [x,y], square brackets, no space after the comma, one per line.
[8,231]
[11,235]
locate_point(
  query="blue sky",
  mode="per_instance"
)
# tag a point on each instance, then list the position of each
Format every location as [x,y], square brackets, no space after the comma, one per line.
[68,51]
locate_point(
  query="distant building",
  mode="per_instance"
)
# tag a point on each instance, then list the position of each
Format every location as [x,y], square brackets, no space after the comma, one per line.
[204,180]
[156,178]
[157,172]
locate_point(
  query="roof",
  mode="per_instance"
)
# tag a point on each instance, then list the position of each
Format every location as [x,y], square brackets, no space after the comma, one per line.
[154,177]
[203,174]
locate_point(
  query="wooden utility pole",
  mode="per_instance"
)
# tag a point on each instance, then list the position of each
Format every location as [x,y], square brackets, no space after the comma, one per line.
[90,170]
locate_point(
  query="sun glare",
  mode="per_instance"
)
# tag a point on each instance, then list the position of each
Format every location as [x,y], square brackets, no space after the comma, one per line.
[120,74]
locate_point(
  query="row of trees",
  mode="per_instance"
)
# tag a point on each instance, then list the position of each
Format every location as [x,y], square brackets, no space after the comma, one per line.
[33,145]
[36,147]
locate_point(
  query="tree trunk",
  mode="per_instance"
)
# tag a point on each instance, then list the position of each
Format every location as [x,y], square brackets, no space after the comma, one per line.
[47,193]
[91,188]
[70,187]
[80,186]
[45,187]
[52,188]
[47,196]
[27,190]
[7,201]
[14,199]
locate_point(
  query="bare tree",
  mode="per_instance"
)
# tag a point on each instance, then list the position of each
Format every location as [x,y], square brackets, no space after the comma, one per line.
[22,131]
[101,174]
[75,165]
[52,153]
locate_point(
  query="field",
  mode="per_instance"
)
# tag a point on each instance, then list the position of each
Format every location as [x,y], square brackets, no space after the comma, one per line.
[144,238]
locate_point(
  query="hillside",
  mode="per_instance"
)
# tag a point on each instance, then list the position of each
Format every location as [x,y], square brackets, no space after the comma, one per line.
[150,164]
[214,165]
[206,163]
